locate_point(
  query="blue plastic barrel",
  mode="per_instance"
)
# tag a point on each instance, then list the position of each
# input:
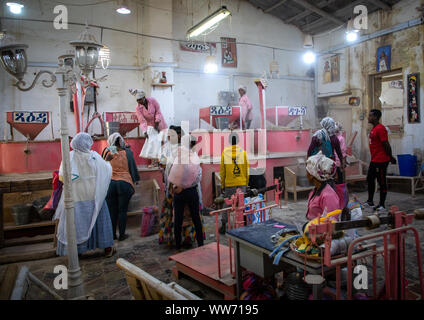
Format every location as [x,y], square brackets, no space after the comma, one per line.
[407,165]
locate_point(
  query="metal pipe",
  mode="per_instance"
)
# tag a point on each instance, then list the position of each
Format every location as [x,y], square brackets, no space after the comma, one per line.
[399,27]
[181,70]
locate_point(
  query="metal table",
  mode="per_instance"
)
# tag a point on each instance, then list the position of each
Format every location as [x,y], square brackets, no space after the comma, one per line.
[253,246]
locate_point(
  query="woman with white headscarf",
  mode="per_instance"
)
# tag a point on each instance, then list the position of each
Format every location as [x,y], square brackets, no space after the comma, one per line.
[320,171]
[246,107]
[121,188]
[90,181]
[326,141]
[152,123]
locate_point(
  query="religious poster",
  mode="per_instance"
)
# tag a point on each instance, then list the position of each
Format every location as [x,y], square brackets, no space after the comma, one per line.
[413,104]
[199,47]
[331,69]
[383,58]
[229,52]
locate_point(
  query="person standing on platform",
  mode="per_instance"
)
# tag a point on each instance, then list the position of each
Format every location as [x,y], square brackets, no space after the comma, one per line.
[151,123]
[234,172]
[342,142]
[91,176]
[246,108]
[381,156]
[121,188]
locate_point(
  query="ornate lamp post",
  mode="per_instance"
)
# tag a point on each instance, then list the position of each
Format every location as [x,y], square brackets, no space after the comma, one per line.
[14,61]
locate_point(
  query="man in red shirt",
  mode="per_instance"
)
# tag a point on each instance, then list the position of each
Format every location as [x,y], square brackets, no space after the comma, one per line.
[381,155]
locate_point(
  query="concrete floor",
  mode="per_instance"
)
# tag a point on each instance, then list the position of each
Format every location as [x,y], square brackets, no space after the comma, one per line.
[104,280]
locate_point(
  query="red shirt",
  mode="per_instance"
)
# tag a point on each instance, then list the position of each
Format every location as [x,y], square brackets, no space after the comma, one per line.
[377,136]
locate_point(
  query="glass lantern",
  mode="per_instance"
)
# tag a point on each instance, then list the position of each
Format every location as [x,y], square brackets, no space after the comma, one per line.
[13,57]
[86,52]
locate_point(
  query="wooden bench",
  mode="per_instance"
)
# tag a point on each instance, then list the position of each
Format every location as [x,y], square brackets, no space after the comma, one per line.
[417,182]
[290,185]
[144,286]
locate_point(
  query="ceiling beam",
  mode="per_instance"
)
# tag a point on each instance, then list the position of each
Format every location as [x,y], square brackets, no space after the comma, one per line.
[339,13]
[275,6]
[307,12]
[380,4]
[322,13]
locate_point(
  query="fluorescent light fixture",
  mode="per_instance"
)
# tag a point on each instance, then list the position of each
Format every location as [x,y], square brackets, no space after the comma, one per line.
[123,7]
[15,8]
[309,57]
[211,66]
[208,22]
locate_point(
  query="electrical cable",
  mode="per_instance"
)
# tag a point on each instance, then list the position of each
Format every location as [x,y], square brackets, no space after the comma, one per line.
[148,35]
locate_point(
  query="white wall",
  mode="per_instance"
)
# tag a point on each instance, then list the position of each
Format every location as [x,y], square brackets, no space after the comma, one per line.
[247,25]
[406,54]
[192,90]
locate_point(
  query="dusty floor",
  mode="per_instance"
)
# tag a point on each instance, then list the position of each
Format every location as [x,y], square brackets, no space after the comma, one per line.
[104,280]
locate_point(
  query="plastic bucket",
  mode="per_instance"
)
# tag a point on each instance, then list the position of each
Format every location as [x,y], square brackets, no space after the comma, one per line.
[21,213]
[407,165]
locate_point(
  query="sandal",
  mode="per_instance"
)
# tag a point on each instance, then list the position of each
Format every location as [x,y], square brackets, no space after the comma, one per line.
[110,253]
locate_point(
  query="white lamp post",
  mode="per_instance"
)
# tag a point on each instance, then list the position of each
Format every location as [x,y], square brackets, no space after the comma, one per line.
[14,61]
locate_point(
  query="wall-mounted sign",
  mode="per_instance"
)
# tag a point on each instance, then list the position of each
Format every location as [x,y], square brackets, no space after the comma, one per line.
[220,110]
[30,117]
[297,111]
[396,84]
[354,101]
[198,46]
[413,98]
[122,117]
[229,52]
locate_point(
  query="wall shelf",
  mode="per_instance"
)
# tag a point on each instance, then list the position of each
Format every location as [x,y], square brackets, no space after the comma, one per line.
[163,85]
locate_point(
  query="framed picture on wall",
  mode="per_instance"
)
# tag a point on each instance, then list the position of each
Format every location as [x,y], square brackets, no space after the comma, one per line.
[331,69]
[413,103]
[229,52]
[383,58]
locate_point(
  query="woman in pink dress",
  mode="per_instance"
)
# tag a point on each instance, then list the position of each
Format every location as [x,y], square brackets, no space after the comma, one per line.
[343,148]
[151,123]
[323,199]
[246,107]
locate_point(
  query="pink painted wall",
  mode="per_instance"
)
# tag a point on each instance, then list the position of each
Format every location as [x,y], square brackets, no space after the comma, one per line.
[46,155]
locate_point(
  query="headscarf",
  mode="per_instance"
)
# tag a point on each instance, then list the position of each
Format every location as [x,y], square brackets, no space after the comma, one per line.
[82,142]
[328,129]
[116,136]
[321,167]
[138,93]
[244,88]
[338,128]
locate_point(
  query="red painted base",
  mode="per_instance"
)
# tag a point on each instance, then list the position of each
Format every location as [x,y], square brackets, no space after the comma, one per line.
[201,264]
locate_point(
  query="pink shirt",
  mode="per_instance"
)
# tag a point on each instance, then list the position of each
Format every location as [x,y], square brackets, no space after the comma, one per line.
[327,199]
[342,147]
[148,117]
[245,105]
